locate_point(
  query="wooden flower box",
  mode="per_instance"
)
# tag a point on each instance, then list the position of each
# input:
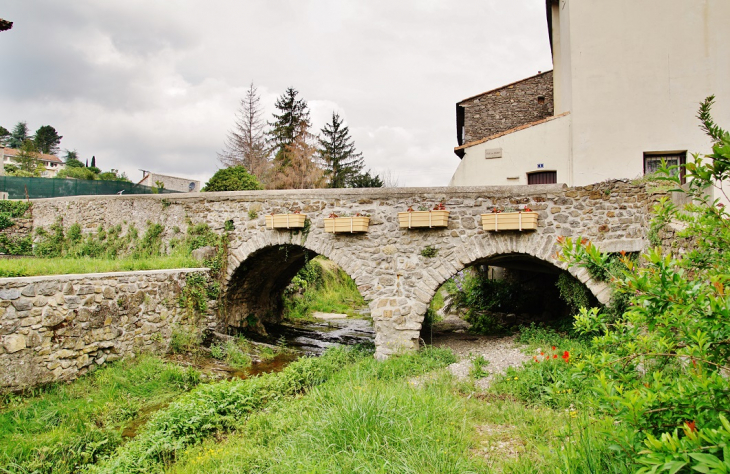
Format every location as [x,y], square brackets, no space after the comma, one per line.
[510,221]
[346,224]
[285,221]
[423,219]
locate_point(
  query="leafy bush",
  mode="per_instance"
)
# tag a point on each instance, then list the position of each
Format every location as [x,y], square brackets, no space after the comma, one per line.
[235,178]
[663,364]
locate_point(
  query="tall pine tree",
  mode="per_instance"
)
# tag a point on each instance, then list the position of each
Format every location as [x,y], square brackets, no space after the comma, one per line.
[342,163]
[290,124]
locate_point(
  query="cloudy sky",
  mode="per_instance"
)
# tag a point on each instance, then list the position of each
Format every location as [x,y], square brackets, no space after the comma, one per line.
[155,84]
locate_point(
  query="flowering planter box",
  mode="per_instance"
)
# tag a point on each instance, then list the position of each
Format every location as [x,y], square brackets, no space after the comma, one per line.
[285,221]
[510,221]
[346,224]
[423,219]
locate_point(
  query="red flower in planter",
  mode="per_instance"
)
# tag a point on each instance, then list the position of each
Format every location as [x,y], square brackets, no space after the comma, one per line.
[439,207]
[526,209]
[410,209]
[333,216]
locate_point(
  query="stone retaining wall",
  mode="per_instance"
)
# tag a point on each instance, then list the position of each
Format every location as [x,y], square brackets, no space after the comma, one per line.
[55,328]
[23,228]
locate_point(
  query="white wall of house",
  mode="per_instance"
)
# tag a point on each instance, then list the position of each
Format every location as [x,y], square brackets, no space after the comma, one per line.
[638,71]
[632,74]
[522,152]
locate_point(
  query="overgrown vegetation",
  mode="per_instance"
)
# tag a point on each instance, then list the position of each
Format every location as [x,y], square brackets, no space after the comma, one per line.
[659,369]
[110,249]
[60,428]
[321,286]
[10,210]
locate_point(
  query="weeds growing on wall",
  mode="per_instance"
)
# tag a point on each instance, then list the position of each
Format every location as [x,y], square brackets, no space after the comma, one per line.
[10,210]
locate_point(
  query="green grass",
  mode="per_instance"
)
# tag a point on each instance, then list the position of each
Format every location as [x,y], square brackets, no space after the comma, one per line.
[64,426]
[328,289]
[19,267]
[378,417]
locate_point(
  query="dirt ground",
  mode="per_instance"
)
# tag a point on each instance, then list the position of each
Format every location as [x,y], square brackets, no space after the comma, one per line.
[500,352]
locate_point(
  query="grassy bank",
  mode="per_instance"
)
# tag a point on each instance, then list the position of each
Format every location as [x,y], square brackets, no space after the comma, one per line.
[64,426]
[321,286]
[21,267]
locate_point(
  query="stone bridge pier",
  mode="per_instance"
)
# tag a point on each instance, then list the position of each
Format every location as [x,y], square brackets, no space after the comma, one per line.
[386,261]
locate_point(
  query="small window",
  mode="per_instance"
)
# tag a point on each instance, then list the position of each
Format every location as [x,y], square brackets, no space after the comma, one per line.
[653,161]
[542,177]
[541,99]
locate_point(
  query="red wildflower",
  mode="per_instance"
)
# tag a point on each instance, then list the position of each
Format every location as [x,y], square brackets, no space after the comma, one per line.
[553,347]
[691,425]
[555,356]
[566,356]
[542,353]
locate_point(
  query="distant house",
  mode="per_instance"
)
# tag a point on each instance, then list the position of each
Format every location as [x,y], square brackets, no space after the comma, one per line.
[53,164]
[172,183]
[627,81]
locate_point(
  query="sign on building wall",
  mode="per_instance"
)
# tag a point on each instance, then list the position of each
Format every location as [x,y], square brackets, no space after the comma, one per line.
[492,153]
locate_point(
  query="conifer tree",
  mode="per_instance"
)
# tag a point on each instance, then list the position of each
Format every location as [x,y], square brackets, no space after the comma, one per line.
[337,151]
[18,136]
[290,124]
[47,139]
[246,144]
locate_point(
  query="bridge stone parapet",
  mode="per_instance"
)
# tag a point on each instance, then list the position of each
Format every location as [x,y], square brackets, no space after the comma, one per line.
[385,262]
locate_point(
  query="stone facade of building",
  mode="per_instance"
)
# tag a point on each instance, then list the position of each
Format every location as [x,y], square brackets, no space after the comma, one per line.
[385,262]
[502,109]
[55,328]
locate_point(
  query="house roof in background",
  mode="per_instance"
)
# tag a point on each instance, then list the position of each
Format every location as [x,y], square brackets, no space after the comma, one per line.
[511,130]
[41,156]
[505,86]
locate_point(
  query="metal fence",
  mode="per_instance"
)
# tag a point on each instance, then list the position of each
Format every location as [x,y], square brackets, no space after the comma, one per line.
[39,188]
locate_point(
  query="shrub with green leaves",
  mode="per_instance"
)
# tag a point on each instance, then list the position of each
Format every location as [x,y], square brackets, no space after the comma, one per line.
[663,363]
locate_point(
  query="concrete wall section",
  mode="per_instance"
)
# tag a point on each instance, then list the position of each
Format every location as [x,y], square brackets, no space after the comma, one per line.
[547,144]
[55,328]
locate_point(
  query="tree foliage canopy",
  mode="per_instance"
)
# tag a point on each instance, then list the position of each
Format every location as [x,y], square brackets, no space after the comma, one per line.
[291,123]
[235,178]
[365,180]
[18,136]
[337,151]
[47,139]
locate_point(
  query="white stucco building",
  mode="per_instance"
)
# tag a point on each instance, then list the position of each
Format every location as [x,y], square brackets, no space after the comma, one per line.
[627,82]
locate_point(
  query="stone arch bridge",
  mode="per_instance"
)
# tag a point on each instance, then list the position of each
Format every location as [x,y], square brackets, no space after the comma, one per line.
[386,261]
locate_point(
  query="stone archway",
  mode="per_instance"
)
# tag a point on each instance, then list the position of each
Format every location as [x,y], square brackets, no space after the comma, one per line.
[398,318]
[260,269]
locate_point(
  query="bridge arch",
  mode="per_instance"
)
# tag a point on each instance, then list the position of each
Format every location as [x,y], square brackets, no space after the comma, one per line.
[398,330]
[260,269]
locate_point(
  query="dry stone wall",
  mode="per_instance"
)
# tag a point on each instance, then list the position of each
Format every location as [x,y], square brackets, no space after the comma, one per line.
[385,262]
[22,228]
[55,328]
[508,107]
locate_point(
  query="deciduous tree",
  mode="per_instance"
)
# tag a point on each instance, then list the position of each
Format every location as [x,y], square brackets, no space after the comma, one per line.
[4,134]
[234,178]
[301,170]
[246,143]
[340,159]
[27,158]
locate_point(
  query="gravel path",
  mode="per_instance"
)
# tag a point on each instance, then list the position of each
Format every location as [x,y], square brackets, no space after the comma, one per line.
[501,352]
